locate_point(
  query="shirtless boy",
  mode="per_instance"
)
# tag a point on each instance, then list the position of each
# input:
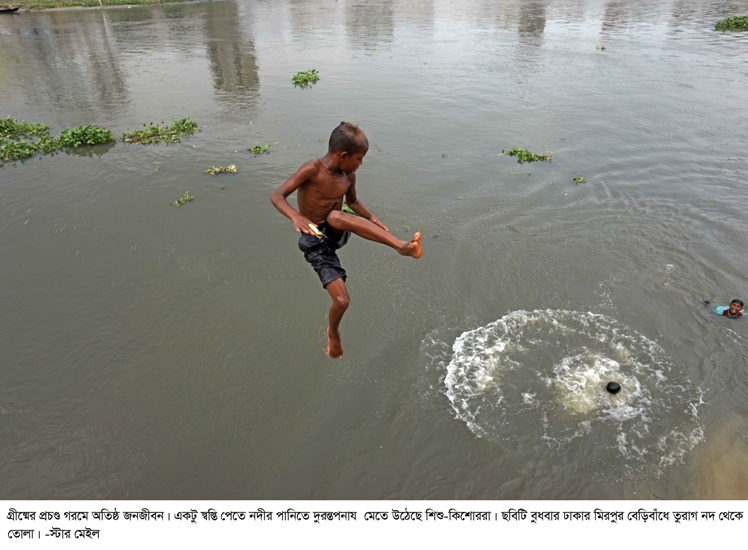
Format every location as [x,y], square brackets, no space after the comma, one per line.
[320,185]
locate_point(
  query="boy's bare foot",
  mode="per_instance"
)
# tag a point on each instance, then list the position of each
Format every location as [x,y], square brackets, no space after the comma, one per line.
[334,345]
[413,248]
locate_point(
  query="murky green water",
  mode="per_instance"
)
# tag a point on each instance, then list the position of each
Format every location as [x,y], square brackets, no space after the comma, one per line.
[151,352]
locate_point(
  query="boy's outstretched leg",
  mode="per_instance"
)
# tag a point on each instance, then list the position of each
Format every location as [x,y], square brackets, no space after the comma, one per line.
[368,230]
[340,302]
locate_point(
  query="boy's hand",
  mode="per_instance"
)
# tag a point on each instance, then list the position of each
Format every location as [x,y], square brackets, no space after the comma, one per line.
[376,222]
[303,225]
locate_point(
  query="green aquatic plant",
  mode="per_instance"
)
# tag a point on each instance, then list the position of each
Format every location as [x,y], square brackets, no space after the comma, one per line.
[15,149]
[12,128]
[304,79]
[258,149]
[16,139]
[737,23]
[230,169]
[579,179]
[523,155]
[47,145]
[160,133]
[84,135]
[184,199]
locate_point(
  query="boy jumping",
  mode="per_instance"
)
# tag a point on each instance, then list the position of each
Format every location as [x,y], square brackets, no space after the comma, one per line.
[320,185]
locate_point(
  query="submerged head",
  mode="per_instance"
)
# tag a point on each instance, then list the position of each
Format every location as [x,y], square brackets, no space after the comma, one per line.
[613,387]
[736,306]
[349,144]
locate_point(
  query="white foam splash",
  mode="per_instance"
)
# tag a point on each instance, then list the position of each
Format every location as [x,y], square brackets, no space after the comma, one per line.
[541,375]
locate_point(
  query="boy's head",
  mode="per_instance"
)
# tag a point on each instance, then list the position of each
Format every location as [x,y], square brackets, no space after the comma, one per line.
[736,306]
[348,145]
[348,138]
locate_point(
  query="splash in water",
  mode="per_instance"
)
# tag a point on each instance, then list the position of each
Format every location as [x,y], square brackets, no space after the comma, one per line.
[541,376]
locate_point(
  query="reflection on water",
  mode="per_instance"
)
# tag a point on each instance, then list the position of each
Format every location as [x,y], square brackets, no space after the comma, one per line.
[370,25]
[145,345]
[75,61]
[232,57]
[90,61]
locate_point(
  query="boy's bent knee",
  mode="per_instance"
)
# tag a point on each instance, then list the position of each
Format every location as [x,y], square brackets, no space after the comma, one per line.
[334,218]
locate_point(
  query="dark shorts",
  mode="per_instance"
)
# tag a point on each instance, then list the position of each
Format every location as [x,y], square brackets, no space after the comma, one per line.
[322,254]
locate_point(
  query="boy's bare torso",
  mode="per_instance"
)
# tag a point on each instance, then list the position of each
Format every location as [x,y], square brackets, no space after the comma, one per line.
[322,192]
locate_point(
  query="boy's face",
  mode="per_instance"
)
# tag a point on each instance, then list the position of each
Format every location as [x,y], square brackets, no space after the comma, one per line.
[350,162]
[735,309]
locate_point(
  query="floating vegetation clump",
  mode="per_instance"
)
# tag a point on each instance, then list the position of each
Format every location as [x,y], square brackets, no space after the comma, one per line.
[160,133]
[579,179]
[258,149]
[304,79]
[16,139]
[737,23]
[85,135]
[20,139]
[11,127]
[230,169]
[523,155]
[15,149]
[184,199]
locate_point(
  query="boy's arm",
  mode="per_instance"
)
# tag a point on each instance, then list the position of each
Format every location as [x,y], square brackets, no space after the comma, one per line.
[278,198]
[358,207]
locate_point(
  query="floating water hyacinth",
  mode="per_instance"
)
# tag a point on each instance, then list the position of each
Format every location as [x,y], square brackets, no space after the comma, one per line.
[258,149]
[17,139]
[160,133]
[85,135]
[230,169]
[304,79]
[184,199]
[523,155]
[737,23]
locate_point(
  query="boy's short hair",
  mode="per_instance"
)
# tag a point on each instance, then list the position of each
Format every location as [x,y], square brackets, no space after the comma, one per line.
[739,302]
[349,138]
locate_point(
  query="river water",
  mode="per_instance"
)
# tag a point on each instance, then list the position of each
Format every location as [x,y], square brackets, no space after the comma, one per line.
[156,352]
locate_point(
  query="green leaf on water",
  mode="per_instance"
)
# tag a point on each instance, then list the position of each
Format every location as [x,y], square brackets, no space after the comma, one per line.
[523,155]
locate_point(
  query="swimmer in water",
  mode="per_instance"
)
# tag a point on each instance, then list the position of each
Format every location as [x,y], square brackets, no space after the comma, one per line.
[321,185]
[733,311]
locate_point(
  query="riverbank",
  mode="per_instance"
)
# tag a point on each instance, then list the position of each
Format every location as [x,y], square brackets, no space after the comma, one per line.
[52,4]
